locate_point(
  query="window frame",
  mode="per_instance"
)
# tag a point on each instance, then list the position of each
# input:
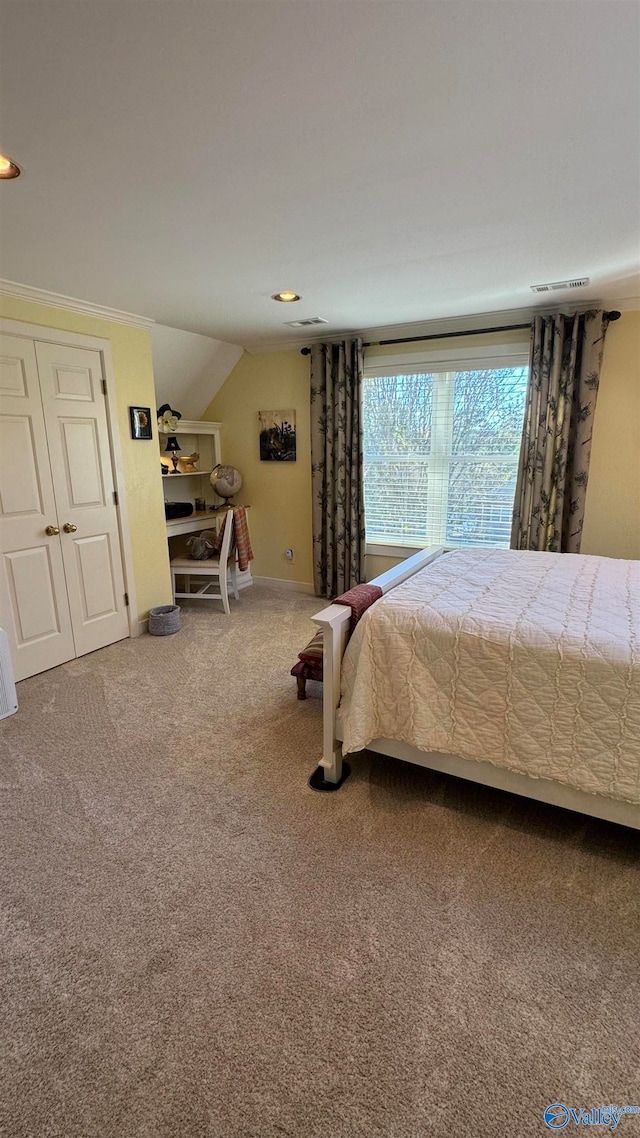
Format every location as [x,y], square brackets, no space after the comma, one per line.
[484,358]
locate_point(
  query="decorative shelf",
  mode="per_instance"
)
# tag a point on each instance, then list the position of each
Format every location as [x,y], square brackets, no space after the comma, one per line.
[201,438]
[196,427]
[181,474]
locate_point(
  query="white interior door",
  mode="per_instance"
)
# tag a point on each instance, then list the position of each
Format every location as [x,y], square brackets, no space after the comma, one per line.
[71,382]
[34,609]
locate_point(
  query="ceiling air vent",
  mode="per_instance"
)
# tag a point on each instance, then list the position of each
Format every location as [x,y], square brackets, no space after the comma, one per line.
[306,323]
[579,282]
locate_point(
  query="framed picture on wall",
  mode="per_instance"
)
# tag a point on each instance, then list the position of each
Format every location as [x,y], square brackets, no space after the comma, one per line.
[140,418]
[277,436]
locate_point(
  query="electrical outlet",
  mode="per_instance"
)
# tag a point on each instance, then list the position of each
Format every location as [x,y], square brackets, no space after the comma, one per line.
[289,554]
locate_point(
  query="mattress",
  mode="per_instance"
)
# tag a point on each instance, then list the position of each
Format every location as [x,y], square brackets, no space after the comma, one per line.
[529,661]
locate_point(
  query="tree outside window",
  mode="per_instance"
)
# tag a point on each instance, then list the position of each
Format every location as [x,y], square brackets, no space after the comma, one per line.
[441,452]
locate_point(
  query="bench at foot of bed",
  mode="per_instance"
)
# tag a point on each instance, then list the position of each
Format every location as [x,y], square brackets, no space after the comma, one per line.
[309,665]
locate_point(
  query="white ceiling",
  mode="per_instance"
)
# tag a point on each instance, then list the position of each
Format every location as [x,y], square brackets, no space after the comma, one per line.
[391,161]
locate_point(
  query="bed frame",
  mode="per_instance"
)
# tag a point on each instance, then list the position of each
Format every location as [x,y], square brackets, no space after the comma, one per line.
[334,622]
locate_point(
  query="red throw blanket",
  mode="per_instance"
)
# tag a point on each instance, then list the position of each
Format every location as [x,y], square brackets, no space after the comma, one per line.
[241,538]
[360,598]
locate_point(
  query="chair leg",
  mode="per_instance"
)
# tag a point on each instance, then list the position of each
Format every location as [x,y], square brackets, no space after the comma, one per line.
[234,582]
[302,686]
[224,592]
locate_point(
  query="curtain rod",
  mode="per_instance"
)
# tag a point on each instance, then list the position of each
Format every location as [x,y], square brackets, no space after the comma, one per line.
[453,335]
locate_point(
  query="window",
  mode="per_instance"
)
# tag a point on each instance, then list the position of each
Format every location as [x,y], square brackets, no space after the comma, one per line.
[441,449]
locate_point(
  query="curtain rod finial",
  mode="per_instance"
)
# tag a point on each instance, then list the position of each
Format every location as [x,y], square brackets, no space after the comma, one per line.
[615,315]
[305,351]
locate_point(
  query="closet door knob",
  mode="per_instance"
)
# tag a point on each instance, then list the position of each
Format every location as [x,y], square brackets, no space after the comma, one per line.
[52,531]
[69,528]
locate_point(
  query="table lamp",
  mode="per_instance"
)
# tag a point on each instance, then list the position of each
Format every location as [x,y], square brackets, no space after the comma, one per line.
[172,448]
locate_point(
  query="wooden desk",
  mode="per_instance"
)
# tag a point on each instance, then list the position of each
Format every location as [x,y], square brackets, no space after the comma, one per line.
[199,519]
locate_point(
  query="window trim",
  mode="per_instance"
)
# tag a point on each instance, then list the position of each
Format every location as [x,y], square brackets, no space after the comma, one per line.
[490,357]
[373,550]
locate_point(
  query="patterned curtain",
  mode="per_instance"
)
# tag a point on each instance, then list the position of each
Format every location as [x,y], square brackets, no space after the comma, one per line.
[564,371]
[337,467]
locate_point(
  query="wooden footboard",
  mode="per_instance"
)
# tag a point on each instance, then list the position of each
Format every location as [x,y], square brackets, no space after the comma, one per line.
[334,622]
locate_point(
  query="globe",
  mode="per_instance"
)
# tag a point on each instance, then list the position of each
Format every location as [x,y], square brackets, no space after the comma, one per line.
[226,481]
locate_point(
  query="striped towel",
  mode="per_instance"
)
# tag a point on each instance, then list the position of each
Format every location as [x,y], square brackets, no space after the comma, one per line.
[241,539]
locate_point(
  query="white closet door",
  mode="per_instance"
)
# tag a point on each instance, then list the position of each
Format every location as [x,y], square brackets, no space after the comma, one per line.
[76,425]
[34,609]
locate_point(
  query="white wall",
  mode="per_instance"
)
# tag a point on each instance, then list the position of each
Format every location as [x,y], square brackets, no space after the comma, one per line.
[189,369]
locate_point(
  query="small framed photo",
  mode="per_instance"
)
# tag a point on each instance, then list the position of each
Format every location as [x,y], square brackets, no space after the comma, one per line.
[140,422]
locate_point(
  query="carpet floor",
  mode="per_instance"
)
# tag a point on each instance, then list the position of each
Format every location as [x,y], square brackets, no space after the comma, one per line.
[195,943]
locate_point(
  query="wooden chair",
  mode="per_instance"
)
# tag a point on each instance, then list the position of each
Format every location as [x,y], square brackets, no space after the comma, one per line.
[219,568]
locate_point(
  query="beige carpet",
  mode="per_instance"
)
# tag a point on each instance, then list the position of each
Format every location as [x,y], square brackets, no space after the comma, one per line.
[195,943]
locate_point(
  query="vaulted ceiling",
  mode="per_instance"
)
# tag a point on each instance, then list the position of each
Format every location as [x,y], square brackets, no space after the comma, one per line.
[390,161]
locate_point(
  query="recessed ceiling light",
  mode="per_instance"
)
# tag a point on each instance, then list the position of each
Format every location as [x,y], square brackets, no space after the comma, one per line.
[286,297]
[8,169]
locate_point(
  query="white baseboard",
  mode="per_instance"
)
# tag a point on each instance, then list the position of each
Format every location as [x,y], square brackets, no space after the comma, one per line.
[283,583]
[143,626]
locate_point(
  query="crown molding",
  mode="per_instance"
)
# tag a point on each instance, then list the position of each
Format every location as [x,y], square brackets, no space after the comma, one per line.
[72,304]
[625,303]
[290,343]
[479,320]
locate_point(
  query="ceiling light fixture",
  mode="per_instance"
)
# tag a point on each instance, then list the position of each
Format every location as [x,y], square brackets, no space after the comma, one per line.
[8,169]
[286,297]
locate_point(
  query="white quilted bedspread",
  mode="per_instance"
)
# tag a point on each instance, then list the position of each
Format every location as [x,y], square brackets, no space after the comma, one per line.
[526,660]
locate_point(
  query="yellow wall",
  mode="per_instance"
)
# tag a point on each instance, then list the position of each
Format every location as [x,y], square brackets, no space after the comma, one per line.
[279,493]
[612,517]
[131,351]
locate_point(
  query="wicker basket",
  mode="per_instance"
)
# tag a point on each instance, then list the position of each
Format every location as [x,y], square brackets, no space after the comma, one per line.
[164,620]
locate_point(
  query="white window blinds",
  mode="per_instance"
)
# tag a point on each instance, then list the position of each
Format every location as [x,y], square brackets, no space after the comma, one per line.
[441,453]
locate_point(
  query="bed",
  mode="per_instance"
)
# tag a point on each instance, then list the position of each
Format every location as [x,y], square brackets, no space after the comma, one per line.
[513,669]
